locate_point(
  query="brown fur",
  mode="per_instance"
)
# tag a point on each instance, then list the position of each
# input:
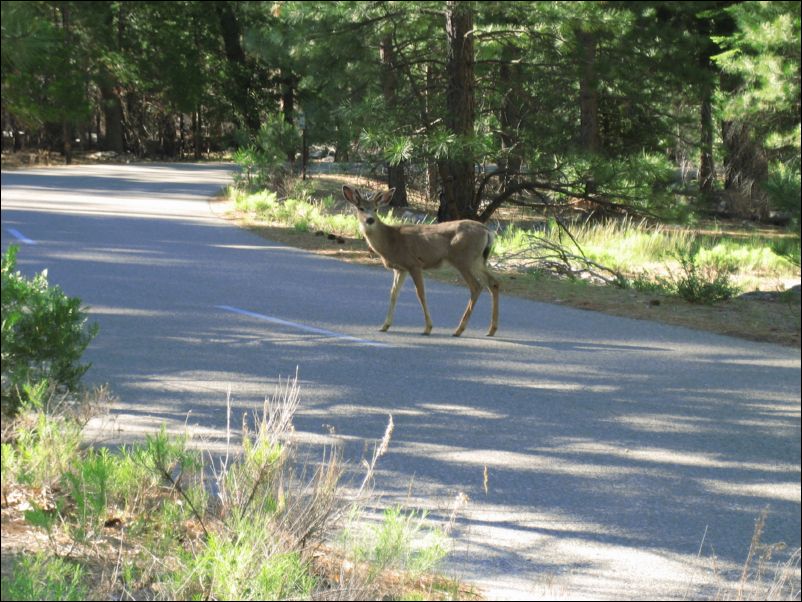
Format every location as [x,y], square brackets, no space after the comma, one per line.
[410,249]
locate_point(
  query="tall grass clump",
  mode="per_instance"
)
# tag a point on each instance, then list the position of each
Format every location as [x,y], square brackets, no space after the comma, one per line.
[303,215]
[43,577]
[697,267]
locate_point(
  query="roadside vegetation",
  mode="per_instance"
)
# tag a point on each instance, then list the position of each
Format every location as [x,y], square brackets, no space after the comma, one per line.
[727,278]
[161,520]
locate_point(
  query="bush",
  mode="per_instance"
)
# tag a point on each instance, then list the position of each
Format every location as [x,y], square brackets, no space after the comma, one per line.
[704,283]
[265,158]
[44,333]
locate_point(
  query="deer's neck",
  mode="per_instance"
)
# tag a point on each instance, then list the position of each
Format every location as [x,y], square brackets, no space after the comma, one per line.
[380,236]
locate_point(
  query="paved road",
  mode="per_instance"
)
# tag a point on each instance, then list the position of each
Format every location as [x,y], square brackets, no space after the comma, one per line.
[612,446]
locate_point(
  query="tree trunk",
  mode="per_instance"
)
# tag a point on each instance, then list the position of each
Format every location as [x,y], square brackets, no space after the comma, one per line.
[589,138]
[510,116]
[196,133]
[396,174]
[242,75]
[746,170]
[457,172]
[431,166]
[181,136]
[288,83]
[168,136]
[707,171]
[66,130]
[66,127]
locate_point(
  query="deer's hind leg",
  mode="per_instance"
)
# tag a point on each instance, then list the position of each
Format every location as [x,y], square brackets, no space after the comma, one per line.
[493,287]
[476,290]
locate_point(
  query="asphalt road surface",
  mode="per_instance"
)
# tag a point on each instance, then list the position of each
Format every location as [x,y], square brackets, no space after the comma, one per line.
[615,449]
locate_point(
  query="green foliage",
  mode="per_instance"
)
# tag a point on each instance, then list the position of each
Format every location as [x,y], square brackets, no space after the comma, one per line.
[43,82]
[46,447]
[403,540]
[302,215]
[705,283]
[265,159]
[41,577]
[87,485]
[762,59]
[245,565]
[44,332]
[784,187]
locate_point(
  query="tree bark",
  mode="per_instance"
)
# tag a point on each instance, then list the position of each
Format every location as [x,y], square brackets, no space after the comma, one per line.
[746,170]
[66,126]
[589,138]
[242,75]
[396,174]
[457,171]
[510,115]
[707,171]
[288,83]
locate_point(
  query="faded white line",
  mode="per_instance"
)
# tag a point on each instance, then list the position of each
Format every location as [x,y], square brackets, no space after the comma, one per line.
[303,327]
[20,236]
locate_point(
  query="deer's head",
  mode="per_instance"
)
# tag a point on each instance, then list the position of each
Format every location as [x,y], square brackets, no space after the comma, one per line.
[366,206]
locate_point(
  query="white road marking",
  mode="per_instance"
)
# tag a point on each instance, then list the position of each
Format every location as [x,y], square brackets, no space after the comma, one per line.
[303,327]
[20,236]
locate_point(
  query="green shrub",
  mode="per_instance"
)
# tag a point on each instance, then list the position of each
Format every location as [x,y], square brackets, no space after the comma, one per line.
[44,333]
[704,283]
[87,486]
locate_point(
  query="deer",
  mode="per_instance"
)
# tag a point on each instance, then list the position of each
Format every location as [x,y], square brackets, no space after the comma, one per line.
[413,248]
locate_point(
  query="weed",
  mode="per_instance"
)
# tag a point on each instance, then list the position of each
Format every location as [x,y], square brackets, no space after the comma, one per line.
[706,284]
[40,577]
[87,486]
[403,540]
[46,448]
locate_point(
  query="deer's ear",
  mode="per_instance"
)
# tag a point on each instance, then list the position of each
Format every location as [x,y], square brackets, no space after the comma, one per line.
[384,198]
[351,195]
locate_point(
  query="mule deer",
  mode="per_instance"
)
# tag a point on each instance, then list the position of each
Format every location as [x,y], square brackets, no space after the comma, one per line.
[410,249]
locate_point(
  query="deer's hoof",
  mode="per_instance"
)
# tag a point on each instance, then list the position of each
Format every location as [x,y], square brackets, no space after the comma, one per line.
[384,328]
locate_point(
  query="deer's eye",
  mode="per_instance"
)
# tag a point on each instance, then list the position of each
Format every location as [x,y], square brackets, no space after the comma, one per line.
[361,208]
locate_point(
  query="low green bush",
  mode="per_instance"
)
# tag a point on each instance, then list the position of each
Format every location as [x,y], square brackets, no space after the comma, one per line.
[44,333]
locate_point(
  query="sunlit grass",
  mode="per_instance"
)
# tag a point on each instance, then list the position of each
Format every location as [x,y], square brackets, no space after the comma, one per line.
[630,247]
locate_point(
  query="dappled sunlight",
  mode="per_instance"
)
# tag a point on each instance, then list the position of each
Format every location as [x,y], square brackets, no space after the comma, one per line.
[777,491]
[545,385]
[753,362]
[609,441]
[670,458]
[126,257]
[666,423]
[126,311]
[529,462]
[460,410]
[280,248]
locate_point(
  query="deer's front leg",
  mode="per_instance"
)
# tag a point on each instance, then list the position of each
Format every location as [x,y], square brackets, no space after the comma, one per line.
[398,281]
[417,278]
